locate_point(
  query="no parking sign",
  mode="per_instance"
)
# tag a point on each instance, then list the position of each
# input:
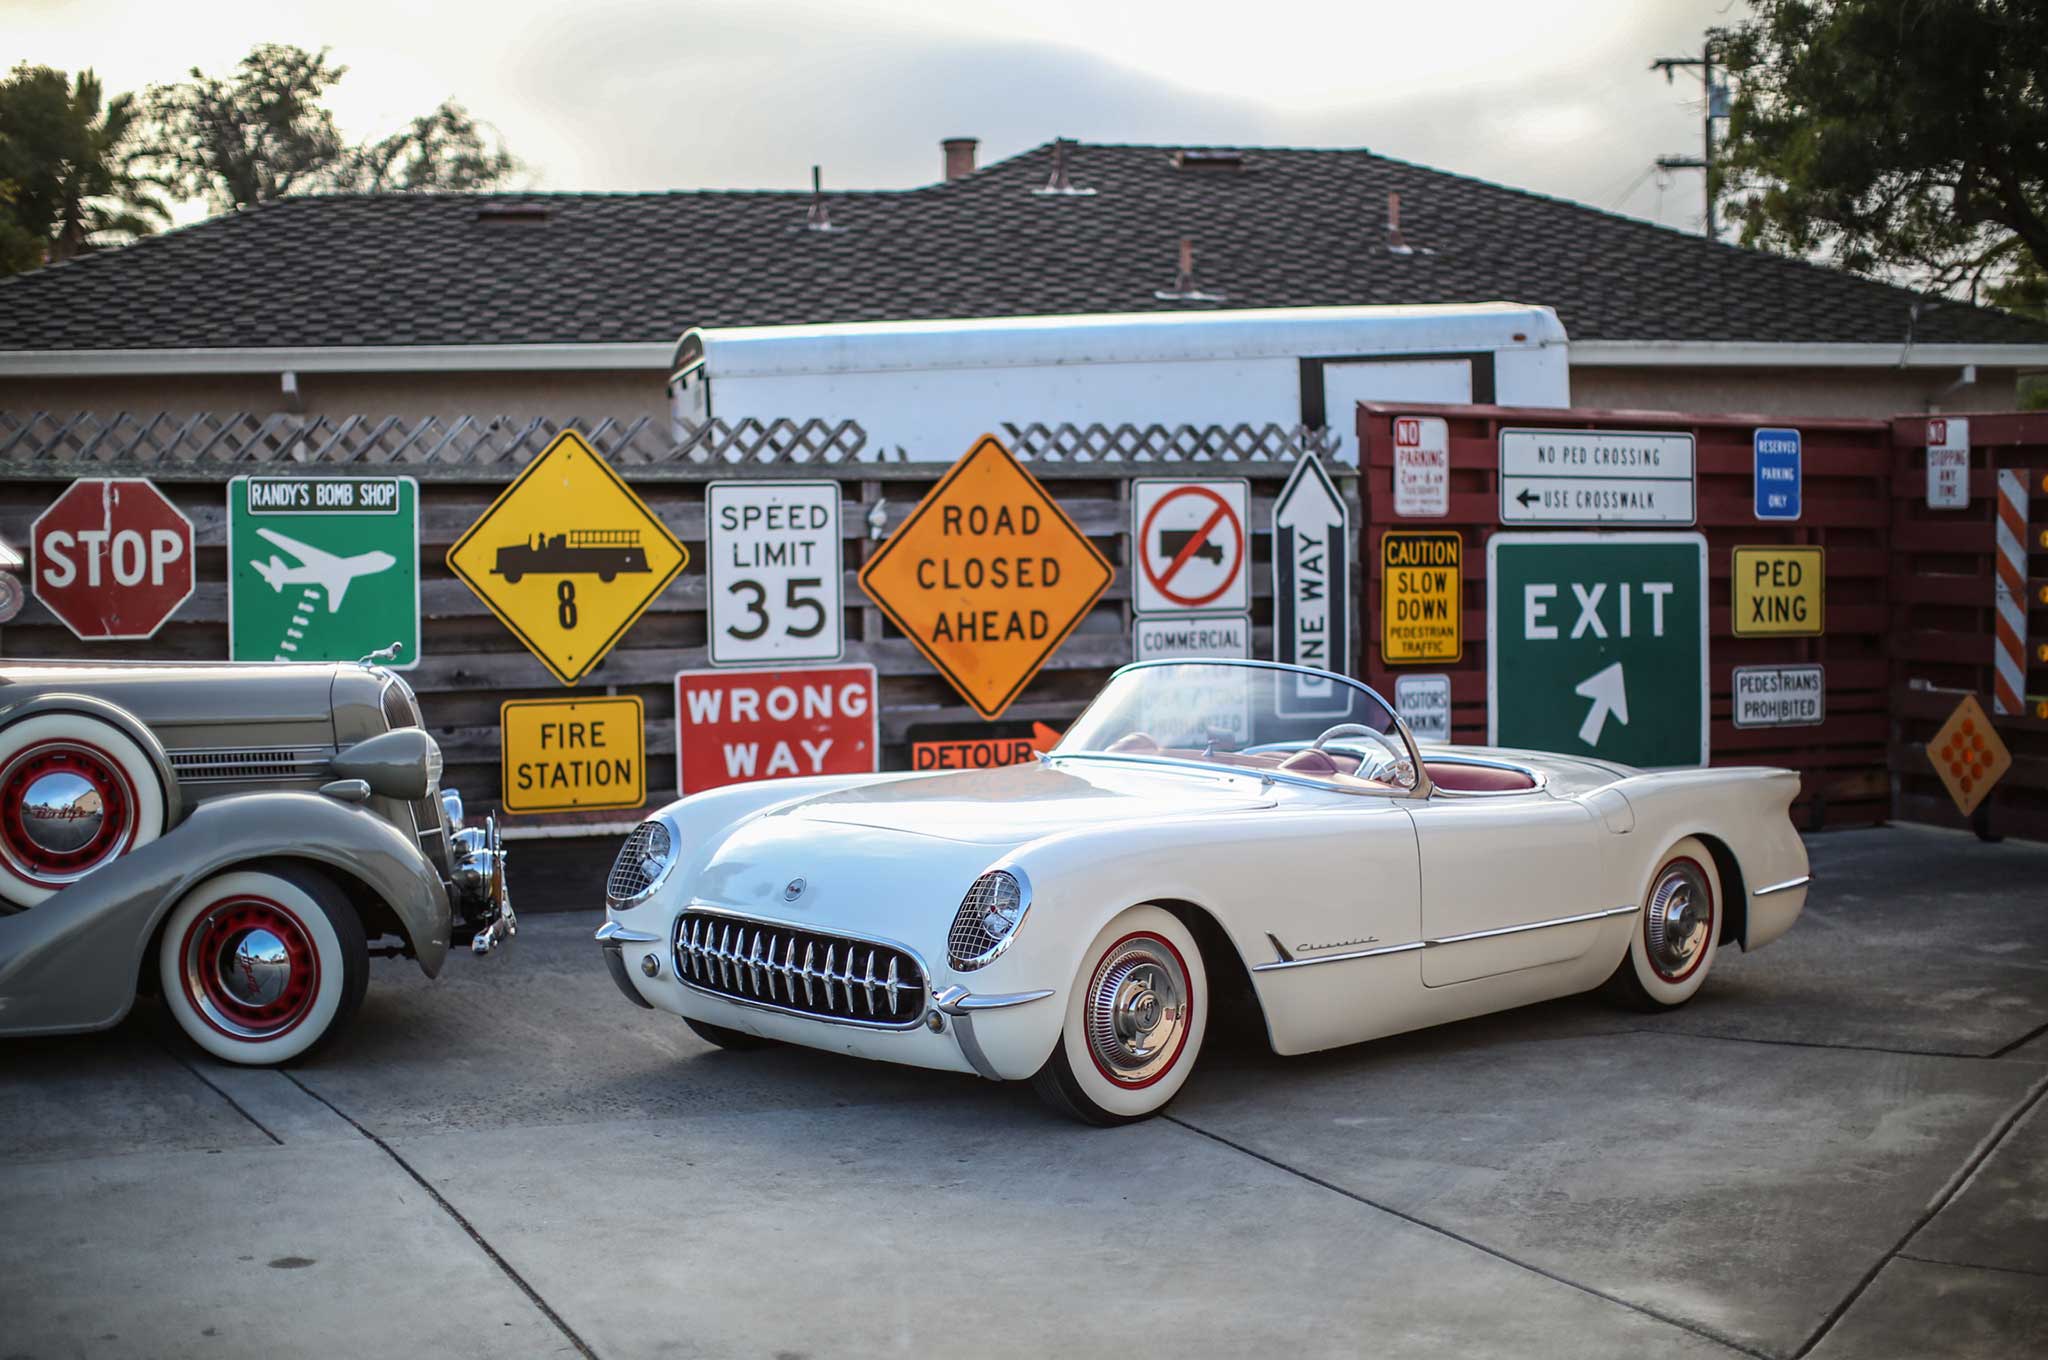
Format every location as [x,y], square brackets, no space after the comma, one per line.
[1191,543]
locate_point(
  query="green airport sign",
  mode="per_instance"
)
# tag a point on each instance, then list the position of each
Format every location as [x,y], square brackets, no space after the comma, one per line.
[323,568]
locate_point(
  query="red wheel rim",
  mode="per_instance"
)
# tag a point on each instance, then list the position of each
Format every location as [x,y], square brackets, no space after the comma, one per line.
[1142,947]
[103,789]
[250,968]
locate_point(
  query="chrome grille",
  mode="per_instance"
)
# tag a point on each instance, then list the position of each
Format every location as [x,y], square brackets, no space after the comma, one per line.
[306,762]
[399,708]
[630,876]
[969,939]
[804,972]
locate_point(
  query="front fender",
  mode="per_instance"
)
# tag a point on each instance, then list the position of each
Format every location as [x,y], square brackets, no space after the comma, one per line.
[71,962]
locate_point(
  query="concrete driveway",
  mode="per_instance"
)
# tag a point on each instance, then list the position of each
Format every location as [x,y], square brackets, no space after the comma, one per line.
[1839,1149]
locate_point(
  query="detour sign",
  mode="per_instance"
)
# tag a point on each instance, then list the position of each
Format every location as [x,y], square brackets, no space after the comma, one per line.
[987,577]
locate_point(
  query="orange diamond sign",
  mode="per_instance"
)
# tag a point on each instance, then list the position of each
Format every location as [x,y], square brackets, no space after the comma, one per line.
[1968,755]
[988,576]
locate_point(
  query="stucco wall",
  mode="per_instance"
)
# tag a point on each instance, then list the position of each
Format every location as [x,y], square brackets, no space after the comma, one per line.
[1783,393]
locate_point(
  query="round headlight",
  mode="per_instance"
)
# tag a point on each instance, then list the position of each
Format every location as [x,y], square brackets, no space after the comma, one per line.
[643,862]
[988,919]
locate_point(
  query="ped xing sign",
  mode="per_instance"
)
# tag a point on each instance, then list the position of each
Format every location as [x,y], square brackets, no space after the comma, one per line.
[737,727]
[987,577]
[1597,645]
[1597,477]
[568,557]
[323,568]
[1421,597]
[572,755]
[1778,592]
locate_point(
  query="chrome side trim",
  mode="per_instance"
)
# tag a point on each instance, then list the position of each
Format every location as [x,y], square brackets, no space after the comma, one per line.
[1786,886]
[612,930]
[957,1000]
[1532,925]
[971,1049]
[1286,956]
[1279,964]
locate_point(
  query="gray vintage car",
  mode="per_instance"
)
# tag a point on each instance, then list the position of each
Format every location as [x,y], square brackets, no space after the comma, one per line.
[236,837]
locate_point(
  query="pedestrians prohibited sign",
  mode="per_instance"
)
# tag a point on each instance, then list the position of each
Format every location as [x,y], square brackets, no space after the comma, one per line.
[568,557]
[113,558]
[1190,543]
[1780,696]
[1776,462]
[1312,572]
[1778,592]
[1596,477]
[987,577]
[1597,645]
[773,569]
[571,755]
[1421,597]
[323,568]
[1422,467]
[735,727]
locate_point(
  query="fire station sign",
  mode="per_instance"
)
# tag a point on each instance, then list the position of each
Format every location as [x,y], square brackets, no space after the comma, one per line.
[737,727]
[1597,645]
[113,558]
[572,755]
[1780,696]
[323,568]
[1421,597]
[772,563]
[1778,592]
[568,557]
[1968,755]
[1190,542]
[1596,477]
[987,577]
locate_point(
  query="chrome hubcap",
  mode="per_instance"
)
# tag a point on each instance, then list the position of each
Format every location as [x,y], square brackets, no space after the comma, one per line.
[65,809]
[1679,924]
[1137,1011]
[256,968]
[62,812]
[250,969]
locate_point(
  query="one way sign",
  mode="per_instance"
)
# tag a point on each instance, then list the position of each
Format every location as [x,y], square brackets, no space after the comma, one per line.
[1311,587]
[1597,645]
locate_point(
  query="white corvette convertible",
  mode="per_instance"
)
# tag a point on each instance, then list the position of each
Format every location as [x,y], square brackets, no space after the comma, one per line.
[1204,829]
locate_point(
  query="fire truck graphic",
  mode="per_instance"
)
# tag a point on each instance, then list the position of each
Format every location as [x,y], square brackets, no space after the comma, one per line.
[603,553]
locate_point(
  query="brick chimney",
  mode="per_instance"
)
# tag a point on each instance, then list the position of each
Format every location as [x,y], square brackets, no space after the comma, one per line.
[959,155]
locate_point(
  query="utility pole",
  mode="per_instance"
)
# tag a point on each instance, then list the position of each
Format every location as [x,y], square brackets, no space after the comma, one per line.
[1717,107]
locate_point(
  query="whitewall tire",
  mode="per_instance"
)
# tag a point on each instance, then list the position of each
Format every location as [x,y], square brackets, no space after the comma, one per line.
[1677,932]
[76,792]
[260,966]
[1136,1016]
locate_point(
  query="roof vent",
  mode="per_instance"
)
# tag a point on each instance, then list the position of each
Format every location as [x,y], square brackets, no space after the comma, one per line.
[1185,289]
[820,216]
[1059,186]
[1397,244]
[510,214]
[1215,158]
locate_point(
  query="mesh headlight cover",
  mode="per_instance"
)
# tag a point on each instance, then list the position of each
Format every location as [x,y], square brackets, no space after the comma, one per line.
[987,920]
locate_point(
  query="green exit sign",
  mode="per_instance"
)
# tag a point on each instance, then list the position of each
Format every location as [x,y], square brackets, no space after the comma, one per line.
[1597,645]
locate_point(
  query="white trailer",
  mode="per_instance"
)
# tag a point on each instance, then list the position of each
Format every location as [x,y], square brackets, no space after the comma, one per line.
[930,388]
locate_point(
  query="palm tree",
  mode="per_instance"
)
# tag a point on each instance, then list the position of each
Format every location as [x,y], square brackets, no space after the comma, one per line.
[70,159]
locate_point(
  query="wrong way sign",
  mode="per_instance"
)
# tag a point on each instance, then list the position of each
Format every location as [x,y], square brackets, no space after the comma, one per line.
[736,727]
[1191,543]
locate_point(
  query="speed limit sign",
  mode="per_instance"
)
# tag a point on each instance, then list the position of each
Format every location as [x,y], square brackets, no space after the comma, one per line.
[774,572]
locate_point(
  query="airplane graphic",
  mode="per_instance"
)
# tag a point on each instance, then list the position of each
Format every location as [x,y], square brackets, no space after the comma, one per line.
[317,568]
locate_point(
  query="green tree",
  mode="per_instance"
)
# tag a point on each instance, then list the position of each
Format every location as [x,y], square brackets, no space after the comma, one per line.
[1905,139]
[263,132]
[70,176]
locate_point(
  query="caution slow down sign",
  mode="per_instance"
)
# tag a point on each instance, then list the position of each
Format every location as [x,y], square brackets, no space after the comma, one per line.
[734,727]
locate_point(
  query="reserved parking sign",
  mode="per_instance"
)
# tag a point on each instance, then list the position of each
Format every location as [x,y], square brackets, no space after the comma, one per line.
[1778,473]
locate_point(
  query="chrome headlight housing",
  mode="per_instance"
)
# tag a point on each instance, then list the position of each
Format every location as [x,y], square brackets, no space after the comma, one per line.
[643,863]
[988,919]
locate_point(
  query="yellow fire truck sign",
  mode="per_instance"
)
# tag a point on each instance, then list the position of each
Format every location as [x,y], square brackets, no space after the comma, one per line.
[1778,592]
[1421,598]
[987,577]
[568,755]
[568,557]
[1968,755]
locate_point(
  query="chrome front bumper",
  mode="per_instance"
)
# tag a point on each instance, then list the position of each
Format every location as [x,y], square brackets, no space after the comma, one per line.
[479,876]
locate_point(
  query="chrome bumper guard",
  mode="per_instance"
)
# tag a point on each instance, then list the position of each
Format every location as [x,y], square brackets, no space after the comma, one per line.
[480,877]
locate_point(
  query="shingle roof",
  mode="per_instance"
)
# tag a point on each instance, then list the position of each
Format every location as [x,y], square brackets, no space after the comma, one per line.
[1292,228]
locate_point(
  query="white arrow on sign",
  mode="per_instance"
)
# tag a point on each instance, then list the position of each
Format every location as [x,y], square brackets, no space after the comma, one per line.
[1609,693]
[1311,566]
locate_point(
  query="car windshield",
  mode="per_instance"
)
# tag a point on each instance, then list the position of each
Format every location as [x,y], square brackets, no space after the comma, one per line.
[1248,716]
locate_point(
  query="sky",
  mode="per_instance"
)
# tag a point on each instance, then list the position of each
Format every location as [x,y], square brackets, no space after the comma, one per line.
[1556,97]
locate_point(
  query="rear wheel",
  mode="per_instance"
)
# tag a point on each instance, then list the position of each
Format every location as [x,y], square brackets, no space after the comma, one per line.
[737,1040]
[1135,1020]
[1676,933]
[260,966]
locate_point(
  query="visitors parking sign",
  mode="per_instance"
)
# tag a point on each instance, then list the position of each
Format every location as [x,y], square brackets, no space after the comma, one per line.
[1597,645]
[323,568]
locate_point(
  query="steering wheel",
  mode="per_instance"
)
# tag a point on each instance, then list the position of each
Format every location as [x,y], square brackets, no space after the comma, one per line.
[1402,768]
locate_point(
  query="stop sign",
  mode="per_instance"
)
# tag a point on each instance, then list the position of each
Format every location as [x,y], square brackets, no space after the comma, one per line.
[113,558]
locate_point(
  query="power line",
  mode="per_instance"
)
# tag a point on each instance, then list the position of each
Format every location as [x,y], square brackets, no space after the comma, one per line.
[1716,107]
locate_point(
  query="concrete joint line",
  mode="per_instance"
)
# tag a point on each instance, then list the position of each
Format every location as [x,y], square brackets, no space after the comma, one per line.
[233,1104]
[1829,1048]
[1962,1177]
[1972,1265]
[561,1325]
[1693,1327]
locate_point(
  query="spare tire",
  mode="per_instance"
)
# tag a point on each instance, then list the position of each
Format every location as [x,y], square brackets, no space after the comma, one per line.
[76,792]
